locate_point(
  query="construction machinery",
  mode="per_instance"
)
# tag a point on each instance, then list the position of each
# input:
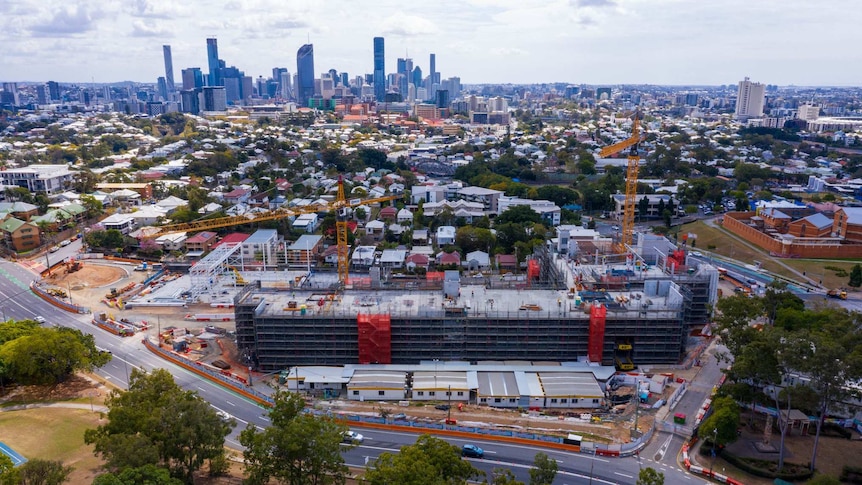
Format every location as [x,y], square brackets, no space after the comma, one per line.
[630,143]
[840,294]
[341,207]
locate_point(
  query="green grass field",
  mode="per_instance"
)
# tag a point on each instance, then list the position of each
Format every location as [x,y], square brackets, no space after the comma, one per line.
[53,434]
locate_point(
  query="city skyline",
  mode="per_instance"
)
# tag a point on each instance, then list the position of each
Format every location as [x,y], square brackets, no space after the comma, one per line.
[674,42]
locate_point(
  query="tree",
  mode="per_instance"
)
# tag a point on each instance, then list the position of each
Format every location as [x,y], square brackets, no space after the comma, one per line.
[49,356]
[856,276]
[92,206]
[158,423]
[544,470]
[519,214]
[643,207]
[297,448]
[720,427]
[824,480]
[37,472]
[649,476]
[503,476]
[429,461]
[470,238]
[148,474]
[734,316]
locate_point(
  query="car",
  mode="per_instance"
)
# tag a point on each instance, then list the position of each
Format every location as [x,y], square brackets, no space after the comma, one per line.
[39,318]
[225,416]
[400,416]
[442,407]
[65,243]
[54,249]
[472,451]
[697,253]
[615,228]
[352,437]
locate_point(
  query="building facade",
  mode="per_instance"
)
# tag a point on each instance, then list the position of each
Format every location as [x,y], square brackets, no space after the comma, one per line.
[304,74]
[379,70]
[749,100]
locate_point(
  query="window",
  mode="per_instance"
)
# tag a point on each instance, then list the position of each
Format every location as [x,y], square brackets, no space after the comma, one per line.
[484,399]
[554,401]
[595,401]
[574,401]
[448,393]
[355,393]
[563,401]
[420,393]
[311,386]
[460,393]
[381,393]
[511,399]
[432,393]
[497,399]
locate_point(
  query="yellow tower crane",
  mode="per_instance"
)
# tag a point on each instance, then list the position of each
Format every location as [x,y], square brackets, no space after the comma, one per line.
[341,207]
[631,180]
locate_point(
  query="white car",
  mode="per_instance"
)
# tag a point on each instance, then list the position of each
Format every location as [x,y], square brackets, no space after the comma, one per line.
[352,437]
[65,243]
[54,249]
[39,318]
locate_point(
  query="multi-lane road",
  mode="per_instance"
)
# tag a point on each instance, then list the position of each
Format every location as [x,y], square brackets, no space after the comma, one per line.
[17,302]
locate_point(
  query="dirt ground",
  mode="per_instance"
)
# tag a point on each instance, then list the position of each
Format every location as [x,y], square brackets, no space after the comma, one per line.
[90,275]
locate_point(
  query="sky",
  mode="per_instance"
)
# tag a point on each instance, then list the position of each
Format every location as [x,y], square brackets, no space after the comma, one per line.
[671,42]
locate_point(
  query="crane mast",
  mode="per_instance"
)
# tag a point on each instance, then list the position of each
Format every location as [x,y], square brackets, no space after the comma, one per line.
[630,143]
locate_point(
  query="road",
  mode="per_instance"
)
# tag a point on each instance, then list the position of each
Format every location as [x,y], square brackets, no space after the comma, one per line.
[17,302]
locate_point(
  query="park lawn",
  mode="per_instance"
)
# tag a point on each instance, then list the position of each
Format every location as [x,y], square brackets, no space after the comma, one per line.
[817,271]
[731,247]
[53,434]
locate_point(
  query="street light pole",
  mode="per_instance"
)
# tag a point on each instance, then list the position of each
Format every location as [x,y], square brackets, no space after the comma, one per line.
[449,409]
[714,439]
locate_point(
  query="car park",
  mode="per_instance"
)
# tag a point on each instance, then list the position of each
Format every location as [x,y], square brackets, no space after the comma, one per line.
[352,437]
[472,451]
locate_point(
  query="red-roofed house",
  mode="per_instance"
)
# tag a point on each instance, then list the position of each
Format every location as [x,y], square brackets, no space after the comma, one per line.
[232,239]
[388,213]
[201,241]
[237,196]
[416,261]
[449,258]
[282,185]
[506,261]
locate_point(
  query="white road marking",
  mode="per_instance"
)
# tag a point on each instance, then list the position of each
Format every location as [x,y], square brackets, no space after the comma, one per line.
[232,404]
[623,475]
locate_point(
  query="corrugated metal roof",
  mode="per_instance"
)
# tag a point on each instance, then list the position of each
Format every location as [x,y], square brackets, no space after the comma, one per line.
[379,379]
[498,384]
[574,384]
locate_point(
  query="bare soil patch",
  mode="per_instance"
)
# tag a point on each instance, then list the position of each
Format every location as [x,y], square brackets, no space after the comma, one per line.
[89,276]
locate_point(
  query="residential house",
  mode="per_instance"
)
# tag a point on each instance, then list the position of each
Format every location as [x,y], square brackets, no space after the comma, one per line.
[202,241]
[259,200]
[306,222]
[148,215]
[45,179]
[330,255]
[446,259]
[171,204]
[53,220]
[388,213]
[506,262]
[375,229]
[404,217]
[420,237]
[19,235]
[445,235]
[416,261]
[127,198]
[393,258]
[363,257]
[426,194]
[121,222]
[304,251]
[487,197]
[477,260]
[237,196]
[209,208]
[232,239]
[19,210]
[549,211]
[172,242]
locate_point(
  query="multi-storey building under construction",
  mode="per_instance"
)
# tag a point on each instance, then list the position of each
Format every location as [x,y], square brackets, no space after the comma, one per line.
[626,315]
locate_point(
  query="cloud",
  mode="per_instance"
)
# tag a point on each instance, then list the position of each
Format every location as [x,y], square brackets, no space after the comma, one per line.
[508,51]
[67,21]
[594,3]
[155,10]
[289,23]
[407,25]
[148,28]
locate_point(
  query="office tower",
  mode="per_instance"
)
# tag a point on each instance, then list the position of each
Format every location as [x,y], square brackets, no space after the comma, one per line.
[305,74]
[369,79]
[442,98]
[285,86]
[54,90]
[42,94]
[191,101]
[333,74]
[246,90]
[344,79]
[213,64]
[10,94]
[405,71]
[163,88]
[379,79]
[749,100]
[215,98]
[416,77]
[192,78]
[433,75]
[808,112]
[169,68]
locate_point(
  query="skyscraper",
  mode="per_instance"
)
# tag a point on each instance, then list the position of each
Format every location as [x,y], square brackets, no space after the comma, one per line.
[379,70]
[433,74]
[192,78]
[163,88]
[416,77]
[169,67]
[215,98]
[214,78]
[304,74]
[749,100]
[405,71]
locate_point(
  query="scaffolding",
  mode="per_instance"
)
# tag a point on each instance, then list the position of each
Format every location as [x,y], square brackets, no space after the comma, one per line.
[215,271]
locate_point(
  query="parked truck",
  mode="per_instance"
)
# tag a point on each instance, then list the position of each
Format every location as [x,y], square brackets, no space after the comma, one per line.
[842,294]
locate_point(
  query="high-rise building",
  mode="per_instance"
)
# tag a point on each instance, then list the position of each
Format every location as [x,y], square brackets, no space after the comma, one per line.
[213,64]
[379,70]
[54,90]
[10,94]
[191,100]
[215,98]
[749,100]
[405,71]
[42,94]
[305,74]
[434,75]
[163,88]
[192,78]
[169,68]
[416,77]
